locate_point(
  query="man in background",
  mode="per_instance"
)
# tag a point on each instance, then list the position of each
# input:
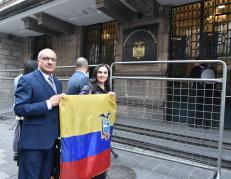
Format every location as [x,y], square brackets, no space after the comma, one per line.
[80,78]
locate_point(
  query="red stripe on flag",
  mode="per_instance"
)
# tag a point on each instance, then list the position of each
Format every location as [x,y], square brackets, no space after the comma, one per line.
[86,168]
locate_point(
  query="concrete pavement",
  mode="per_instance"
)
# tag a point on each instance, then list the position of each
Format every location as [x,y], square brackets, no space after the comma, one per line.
[8,167]
[127,166]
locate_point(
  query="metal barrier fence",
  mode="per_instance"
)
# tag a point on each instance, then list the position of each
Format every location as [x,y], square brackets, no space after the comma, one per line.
[157,116]
[177,119]
[7,92]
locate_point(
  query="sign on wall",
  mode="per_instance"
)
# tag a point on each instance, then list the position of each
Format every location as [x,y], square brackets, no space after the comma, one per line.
[140,43]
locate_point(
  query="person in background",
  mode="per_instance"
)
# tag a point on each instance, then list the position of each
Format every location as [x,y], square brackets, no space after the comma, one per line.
[202,94]
[79,79]
[99,85]
[28,67]
[37,98]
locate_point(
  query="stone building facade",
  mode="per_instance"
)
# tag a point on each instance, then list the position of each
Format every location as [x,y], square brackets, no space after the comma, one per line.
[19,46]
[85,28]
[70,46]
[107,31]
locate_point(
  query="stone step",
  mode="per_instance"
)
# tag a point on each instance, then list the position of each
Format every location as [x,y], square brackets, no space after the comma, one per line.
[170,152]
[175,139]
[189,139]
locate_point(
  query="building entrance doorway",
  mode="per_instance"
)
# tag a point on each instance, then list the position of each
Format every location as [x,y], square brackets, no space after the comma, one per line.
[100,43]
[202,30]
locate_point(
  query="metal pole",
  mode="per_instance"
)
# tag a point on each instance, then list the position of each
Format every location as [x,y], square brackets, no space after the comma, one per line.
[222,111]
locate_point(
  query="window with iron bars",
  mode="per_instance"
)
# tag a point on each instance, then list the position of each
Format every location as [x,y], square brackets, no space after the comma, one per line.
[100,43]
[201,30]
[41,42]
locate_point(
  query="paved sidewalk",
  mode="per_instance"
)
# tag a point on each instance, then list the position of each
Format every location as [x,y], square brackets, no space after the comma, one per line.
[8,167]
[127,166]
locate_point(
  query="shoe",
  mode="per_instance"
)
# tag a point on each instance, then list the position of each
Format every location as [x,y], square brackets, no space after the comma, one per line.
[15,158]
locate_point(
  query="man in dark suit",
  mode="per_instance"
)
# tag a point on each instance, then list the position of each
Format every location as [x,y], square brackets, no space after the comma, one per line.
[79,79]
[37,98]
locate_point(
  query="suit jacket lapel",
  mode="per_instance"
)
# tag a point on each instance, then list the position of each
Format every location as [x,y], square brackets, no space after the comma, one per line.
[44,82]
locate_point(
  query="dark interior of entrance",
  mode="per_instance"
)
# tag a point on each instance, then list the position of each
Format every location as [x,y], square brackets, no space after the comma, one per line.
[201,30]
[100,43]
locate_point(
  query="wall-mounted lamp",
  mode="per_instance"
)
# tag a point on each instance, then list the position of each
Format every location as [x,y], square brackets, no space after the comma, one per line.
[105,35]
[216,15]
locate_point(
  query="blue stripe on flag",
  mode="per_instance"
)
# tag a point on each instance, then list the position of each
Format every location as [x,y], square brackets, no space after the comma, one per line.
[79,147]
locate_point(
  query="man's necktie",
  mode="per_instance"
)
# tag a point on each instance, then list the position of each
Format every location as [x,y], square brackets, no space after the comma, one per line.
[51,82]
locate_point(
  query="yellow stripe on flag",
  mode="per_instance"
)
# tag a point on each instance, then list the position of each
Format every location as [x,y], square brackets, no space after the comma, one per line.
[80,114]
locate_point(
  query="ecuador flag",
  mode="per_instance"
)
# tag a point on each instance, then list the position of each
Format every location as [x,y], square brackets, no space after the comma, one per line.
[86,128]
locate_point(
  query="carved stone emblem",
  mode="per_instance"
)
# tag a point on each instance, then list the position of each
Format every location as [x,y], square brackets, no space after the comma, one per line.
[138,50]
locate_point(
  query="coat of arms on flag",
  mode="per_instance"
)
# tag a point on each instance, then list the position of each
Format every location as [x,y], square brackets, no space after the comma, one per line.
[86,123]
[105,132]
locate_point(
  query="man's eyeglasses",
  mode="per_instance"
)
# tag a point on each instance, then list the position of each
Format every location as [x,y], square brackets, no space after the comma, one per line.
[47,59]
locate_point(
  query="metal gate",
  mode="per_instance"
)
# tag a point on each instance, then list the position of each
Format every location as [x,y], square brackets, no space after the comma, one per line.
[200,30]
[100,43]
[156,114]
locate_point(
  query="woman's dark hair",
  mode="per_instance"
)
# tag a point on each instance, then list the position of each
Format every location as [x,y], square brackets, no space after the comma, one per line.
[94,76]
[29,66]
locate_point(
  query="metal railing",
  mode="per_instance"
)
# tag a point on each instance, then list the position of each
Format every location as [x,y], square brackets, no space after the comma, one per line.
[157,114]
[7,92]
[167,118]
